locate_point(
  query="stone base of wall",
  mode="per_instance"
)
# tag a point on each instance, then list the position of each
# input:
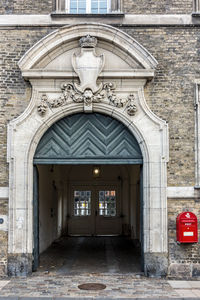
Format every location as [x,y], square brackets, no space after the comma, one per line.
[3,252]
[3,270]
[3,234]
[155,264]
[19,264]
[184,271]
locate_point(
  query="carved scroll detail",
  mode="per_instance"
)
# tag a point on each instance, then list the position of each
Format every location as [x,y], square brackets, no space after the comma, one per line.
[70,93]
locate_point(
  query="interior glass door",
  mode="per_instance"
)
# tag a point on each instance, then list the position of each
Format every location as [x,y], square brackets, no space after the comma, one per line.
[107,203]
[82,203]
[94,210]
[108,221]
[82,211]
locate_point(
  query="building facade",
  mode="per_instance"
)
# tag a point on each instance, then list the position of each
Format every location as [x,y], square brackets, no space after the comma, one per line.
[113,84]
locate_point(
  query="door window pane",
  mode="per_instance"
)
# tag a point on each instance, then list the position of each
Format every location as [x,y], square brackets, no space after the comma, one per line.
[82,203]
[107,203]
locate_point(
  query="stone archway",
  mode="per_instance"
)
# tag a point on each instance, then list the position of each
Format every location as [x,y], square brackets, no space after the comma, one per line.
[121,67]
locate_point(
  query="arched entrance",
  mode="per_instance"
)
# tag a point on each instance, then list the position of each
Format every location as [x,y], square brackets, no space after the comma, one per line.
[57,68]
[89,184]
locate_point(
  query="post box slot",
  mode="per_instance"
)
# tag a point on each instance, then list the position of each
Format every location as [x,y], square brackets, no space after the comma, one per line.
[188,233]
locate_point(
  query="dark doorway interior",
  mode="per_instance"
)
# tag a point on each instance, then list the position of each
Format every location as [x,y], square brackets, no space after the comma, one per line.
[89,236]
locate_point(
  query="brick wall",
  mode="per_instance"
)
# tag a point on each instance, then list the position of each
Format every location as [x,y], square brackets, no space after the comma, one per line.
[15,93]
[171,94]
[158,6]
[26,6]
[129,6]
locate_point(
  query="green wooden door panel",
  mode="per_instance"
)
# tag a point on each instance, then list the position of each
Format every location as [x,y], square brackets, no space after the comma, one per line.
[88,139]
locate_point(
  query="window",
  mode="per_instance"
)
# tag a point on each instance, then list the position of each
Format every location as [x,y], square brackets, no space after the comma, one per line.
[84,6]
[99,6]
[87,6]
[82,203]
[107,203]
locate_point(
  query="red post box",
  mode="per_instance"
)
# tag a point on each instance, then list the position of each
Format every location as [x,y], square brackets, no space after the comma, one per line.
[186,228]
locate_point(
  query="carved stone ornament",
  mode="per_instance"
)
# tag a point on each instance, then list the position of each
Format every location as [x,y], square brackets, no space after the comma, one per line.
[70,93]
[131,107]
[88,66]
[42,107]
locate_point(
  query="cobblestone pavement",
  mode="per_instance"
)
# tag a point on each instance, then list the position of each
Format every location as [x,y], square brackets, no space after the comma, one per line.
[119,286]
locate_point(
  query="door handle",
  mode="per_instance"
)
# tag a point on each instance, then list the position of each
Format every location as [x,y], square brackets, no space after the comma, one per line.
[96,213]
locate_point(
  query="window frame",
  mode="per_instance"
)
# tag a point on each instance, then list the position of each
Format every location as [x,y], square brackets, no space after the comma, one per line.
[88,7]
[63,7]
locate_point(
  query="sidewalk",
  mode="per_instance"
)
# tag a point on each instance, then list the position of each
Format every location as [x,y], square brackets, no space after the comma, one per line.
[50,286]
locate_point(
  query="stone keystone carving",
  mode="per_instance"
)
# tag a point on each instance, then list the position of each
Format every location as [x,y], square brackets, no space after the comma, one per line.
[88,65]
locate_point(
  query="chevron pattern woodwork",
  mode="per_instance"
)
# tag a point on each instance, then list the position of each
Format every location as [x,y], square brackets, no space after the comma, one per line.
[88,136]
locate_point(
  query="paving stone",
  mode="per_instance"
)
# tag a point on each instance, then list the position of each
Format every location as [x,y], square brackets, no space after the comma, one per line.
[66,287]
[3,283]
[196,293]
[187,293]
[72,298]
[177,284]
[35,298]
[194,284]
[8,298]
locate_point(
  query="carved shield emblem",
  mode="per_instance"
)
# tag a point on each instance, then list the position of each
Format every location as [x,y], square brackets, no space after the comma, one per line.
[88,65]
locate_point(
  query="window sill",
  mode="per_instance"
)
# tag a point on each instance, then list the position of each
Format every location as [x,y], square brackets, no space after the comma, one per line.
[196,14]
[68,15]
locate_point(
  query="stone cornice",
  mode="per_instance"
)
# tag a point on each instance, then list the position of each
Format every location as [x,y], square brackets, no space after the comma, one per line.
[41,74]
[126,20]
